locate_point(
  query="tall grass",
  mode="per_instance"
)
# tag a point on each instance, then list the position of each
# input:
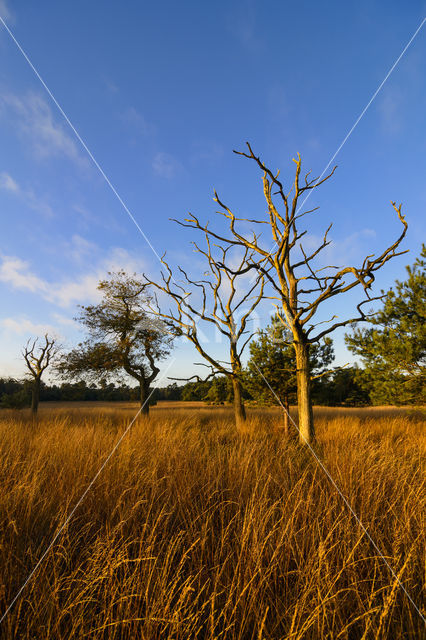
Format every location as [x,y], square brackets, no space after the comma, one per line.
[195,531]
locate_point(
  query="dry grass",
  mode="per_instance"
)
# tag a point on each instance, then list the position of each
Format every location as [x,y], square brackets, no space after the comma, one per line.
[195,531]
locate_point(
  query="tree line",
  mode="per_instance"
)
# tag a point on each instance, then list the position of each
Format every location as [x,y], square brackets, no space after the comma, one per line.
[133,327]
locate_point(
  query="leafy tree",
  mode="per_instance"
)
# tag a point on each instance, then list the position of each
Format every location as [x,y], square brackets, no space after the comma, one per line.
[220,391]
[393,347]
[123,338]
[272,358]
[195,391]
[14,394]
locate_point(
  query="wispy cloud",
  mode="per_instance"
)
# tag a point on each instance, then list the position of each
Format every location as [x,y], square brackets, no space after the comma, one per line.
[278,102]
[166,165]
[242,24]
[137,121]
[18,275]
[340,252]
[203,151]
[35,122]
[27,196]
[21,325]
[7,183]
[390,108]
[64,320]
[5,12]
[79,248]
[110,85]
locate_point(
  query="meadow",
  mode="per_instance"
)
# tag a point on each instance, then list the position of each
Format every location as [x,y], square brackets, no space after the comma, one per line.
[193,530]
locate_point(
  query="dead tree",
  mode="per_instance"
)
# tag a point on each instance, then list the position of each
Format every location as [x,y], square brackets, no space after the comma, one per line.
[298,287]
[37,363]
[222,298]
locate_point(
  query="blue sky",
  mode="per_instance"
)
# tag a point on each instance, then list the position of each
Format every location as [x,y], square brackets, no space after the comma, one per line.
[161,94]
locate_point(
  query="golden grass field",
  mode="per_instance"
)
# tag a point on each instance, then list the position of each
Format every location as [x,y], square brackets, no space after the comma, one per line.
[195,531]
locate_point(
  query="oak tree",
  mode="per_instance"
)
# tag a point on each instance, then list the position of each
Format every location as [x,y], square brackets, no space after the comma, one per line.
[123,337]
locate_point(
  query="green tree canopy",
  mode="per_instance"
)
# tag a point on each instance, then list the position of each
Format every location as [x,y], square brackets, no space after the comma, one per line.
[123,337]
[272,358]
[393,347]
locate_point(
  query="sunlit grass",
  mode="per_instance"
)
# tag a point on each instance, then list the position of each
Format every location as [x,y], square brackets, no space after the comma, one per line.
[195,531]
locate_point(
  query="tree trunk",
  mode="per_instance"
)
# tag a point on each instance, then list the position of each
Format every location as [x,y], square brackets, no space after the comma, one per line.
[304,404]
[143,397]
[286,412]
[35,396]
[239,410]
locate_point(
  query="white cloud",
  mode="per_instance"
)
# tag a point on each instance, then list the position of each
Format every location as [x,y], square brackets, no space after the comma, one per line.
[35,121]
[22,325]
[17,274]
[7,183]
[71,292]
[165,165]
[64,320]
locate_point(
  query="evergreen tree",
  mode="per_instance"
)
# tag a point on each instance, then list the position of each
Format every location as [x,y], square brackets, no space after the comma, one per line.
[393,347]
[272,358]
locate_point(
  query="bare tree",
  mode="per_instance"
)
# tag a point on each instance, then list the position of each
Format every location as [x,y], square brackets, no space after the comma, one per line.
[37,359]
[298,286]
[226,305]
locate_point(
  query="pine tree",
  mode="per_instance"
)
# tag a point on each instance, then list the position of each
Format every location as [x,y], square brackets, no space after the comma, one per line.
[393,347]
[273,359]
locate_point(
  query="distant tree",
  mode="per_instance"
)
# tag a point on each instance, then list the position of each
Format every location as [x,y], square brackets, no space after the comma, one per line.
[393,347]
[38,358]
[220,391]
[346,387]
[196,390]
[272,358]
[14,394]
[123,338]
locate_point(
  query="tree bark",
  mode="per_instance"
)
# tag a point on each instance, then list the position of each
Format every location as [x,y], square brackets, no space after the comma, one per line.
[286,412]
[143,397]
[35,396]
[304,403]
[239,409]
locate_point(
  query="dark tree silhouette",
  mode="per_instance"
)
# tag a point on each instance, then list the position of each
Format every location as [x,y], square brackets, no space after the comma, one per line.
[123,337]
[38,358]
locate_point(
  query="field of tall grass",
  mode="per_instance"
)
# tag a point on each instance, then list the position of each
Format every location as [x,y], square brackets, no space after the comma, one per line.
[195,531]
